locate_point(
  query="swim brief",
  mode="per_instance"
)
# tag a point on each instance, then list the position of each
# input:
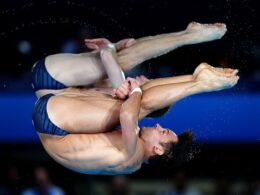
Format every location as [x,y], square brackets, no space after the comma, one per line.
[41,79]
[40,119]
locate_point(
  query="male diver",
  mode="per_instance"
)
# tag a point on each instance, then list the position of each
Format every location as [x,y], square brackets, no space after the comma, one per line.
[78,127]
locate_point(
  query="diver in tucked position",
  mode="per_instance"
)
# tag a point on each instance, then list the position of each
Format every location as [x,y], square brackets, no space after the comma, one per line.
[77,126]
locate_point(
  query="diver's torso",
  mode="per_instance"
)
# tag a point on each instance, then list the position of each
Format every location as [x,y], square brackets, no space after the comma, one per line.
[102,153]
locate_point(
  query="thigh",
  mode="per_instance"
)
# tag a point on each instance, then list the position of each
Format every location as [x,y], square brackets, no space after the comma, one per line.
[83,114]
[75,69]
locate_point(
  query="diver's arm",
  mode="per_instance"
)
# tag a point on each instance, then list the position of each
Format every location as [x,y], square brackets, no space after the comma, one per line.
[128,119]
[109,58]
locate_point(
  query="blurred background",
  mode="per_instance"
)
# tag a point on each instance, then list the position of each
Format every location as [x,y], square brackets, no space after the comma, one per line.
[225,123]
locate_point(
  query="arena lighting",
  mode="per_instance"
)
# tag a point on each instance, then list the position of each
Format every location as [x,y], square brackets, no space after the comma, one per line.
[24,47]
[69,46]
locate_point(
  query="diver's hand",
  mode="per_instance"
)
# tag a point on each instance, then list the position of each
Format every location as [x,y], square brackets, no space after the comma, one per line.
[96,44]
[133,84]
[125,89]
[124,43]
[100,43]
[122,91]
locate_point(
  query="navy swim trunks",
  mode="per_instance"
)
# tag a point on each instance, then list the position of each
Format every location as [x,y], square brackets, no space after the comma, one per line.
[41,79]
[40,119]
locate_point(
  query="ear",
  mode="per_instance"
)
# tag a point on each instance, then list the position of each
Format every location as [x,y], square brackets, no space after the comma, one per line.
[158,149]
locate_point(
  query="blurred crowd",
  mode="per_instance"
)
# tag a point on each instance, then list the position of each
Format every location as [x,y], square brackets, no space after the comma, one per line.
[180,183]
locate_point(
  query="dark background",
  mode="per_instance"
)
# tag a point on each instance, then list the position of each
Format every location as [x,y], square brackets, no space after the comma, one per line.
[33,29]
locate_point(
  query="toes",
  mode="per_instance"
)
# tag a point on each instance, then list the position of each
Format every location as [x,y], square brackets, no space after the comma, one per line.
[235,80]
[234,72]
[229,70]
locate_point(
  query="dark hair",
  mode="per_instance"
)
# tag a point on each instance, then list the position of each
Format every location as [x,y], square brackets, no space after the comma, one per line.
[158,113]
[177,153]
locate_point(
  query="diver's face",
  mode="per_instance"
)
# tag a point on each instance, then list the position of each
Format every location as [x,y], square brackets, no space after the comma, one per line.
[158,135]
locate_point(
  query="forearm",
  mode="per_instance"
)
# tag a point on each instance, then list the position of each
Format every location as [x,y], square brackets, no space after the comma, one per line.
[131,106]
[129,118]
[113,70]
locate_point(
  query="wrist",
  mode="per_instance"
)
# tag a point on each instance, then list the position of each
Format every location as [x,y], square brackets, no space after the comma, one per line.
[136,90]
[111,46]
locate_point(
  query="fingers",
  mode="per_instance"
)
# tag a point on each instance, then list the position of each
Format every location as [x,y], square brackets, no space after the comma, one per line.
[235,72]
[234,81]
[96,43]
[121,94]
[122,91]
[125,43]
[113,93]
[98,40]
[133,83]
[227,72]
[121,44]
[230,72]
[125,85]
[92,46]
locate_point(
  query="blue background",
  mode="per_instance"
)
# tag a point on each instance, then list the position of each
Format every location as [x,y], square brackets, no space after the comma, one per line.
[214,117]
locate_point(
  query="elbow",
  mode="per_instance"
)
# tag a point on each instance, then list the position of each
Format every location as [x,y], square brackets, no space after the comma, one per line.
[148,102]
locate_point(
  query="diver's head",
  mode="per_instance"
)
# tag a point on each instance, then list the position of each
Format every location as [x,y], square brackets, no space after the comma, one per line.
[163,147]
[156,139]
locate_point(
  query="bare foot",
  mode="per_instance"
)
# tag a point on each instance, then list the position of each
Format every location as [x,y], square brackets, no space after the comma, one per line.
[212,81]
[220,71]
[207,32]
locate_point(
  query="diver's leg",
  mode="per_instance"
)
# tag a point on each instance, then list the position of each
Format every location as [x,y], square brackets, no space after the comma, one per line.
[75,69]
[59,71]
[228,72]
[83,115]
[85,68]
[167,80]
[154,46]
[161,96]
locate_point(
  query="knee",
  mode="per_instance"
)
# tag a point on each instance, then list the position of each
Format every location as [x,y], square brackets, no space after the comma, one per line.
[147,102]
[125,60]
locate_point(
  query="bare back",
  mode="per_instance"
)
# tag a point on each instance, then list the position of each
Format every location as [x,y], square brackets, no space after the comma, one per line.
[101,153]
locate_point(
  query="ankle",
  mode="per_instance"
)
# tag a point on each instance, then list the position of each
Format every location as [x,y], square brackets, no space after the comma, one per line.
[197,87]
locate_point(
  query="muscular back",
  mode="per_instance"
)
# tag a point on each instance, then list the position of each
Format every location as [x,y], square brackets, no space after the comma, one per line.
[101,153]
